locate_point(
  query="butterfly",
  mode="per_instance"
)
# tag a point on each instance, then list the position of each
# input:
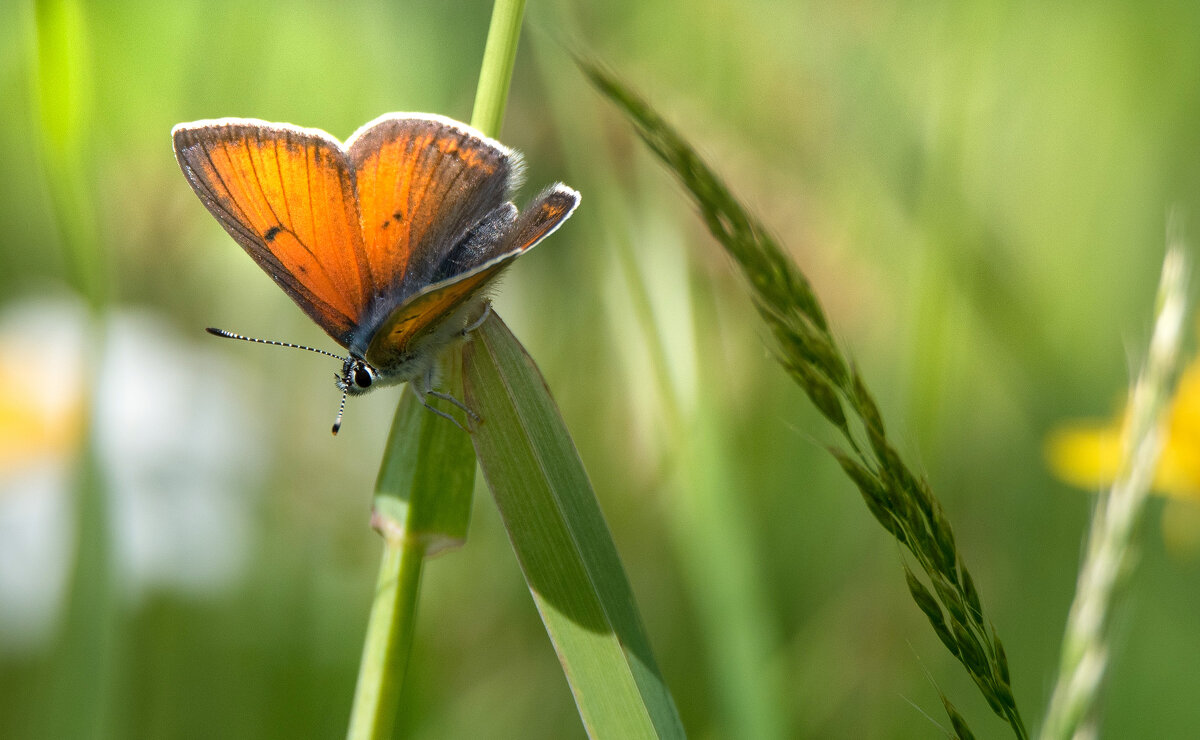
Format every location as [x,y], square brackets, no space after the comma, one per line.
[388,242]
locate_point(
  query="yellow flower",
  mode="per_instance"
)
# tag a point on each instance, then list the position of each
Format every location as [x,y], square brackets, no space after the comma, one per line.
[1088,455]
[36,422]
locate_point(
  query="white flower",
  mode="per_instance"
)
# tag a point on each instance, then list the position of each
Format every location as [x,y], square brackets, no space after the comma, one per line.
[178,463]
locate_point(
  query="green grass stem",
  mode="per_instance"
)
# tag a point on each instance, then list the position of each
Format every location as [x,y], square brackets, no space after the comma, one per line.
[499,56]
[1112,538]
[388,641]
[423,497]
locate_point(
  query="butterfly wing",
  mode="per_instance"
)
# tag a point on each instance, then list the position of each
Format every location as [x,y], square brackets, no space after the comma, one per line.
[422,183]
[410,325]
[286,194]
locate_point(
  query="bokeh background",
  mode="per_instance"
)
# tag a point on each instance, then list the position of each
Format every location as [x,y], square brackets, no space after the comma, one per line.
[979,192]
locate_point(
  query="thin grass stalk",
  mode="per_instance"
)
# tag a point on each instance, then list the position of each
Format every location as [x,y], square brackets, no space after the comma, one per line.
[1112,538]
[495,74]
[390,628]
[388,641]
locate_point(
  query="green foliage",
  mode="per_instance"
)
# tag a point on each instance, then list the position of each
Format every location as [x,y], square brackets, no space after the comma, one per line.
[975,190]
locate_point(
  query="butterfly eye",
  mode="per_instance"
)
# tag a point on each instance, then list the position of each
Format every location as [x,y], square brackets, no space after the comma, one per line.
[362,377]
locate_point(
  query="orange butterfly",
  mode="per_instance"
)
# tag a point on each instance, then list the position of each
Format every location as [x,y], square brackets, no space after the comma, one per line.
[388,242]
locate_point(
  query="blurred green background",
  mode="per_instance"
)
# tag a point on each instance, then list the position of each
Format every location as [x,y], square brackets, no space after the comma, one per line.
[978,191]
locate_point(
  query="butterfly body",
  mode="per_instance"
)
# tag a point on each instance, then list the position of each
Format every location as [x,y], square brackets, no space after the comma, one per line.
[388,242]
[416,363]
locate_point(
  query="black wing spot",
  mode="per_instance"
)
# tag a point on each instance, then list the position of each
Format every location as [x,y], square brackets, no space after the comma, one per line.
[399,216]
[385,224]
[272,233]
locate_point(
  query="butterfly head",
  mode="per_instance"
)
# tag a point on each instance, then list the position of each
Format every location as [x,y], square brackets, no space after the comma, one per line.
[357,376]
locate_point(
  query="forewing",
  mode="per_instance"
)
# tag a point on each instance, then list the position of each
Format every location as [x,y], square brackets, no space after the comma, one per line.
[286,194]
[423,182]
[424,312]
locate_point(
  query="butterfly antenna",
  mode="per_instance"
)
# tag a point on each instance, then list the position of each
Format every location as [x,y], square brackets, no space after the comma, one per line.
[337,423]
[234,335]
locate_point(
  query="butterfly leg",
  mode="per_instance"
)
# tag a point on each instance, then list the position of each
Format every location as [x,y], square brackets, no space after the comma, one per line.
[424,402]
[456,402]
[487,311]
[424,389]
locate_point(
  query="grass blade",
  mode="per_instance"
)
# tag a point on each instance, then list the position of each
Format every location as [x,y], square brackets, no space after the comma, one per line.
[562,542]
